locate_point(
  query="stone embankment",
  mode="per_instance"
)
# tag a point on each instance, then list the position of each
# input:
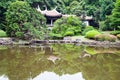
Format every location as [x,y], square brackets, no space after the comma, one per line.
[79,42]
[6,41]
[9,41]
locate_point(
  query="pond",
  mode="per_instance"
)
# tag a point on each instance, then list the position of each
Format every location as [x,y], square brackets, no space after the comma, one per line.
[59,62]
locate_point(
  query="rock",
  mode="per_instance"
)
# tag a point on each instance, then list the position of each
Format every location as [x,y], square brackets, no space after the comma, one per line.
[67,38]
[6,41]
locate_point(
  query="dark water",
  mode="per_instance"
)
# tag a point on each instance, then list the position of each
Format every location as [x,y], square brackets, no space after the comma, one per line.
[59,62]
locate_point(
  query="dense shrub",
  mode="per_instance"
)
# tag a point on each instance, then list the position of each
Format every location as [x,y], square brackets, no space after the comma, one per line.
[67,26]
[115,32]
[24,22]
[105,37]
[103,26]
[91,34]
[19,34]
[87,28]
[2,33]
[56,36]
[69,33]
[106,25]
[118,36]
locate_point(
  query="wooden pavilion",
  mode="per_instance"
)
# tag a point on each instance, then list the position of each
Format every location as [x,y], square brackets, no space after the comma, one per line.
[51,15]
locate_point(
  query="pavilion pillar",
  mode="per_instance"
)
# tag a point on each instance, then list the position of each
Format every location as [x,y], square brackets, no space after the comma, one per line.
[51,24]
[86,23]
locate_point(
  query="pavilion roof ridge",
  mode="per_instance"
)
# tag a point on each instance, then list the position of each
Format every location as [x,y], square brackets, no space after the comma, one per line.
[47,12]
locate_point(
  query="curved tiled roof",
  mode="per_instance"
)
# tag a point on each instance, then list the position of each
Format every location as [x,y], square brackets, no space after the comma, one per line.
[53,13]
[49,13]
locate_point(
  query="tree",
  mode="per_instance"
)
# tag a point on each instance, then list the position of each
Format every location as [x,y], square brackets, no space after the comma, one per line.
[75,8]
[50,4]
[106,7]
[3,7]
[69,26]
[24,22]
[115,17]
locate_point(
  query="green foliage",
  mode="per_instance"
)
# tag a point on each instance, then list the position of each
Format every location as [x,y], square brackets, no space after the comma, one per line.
[105,37]
[113,21]
[50,4]
[90,50]
[3,33]
[115,32]
[24,22]
[115,17]
[77,7]
[67,26]
[55,36]
[118,36]
[107,24]
[91,34]
[102,26]
[69,33]
[87,28]
[105,8]
[3,7]
[19,34]
[74,8]
[90,7]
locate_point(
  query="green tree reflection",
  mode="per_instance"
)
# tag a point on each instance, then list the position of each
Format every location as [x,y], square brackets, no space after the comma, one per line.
[22,63]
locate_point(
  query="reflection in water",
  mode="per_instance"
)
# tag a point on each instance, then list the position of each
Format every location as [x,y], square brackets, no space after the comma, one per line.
[48,50]
[51,75]
[3,77]
[64,62]
[53,58]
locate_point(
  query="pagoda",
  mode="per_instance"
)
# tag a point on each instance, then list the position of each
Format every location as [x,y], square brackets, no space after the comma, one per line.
[51,15]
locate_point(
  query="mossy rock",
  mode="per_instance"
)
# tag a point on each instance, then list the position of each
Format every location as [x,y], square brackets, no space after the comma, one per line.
[105,37]
[91,34]
[118,36]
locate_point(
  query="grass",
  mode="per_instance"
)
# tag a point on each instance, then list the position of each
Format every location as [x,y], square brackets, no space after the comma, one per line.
[3,33]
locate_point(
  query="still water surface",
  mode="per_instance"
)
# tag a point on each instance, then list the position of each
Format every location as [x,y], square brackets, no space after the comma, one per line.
[59,62]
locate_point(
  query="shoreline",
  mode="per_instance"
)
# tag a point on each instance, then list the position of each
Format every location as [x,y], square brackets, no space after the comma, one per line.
[107,44]
[77,42]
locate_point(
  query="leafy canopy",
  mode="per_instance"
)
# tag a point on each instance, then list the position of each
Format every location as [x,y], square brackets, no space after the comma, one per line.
[67,26]
[115,17]
[23,21]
